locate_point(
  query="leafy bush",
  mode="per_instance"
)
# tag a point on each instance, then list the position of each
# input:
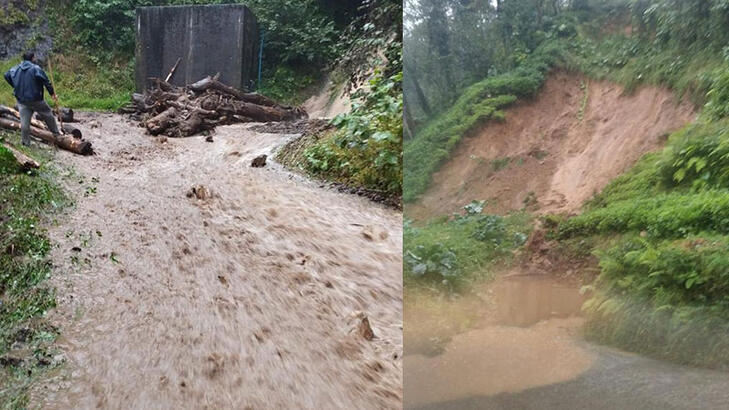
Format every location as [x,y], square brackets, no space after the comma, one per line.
[367,148]
[432,260]
[106,25]
[665,298]
[717,104]
[490,228]
[284,84]
[668,215]
[698,158]
[452,252]
[474,207]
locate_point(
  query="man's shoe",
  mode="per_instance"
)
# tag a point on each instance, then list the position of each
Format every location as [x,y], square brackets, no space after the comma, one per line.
[25,144]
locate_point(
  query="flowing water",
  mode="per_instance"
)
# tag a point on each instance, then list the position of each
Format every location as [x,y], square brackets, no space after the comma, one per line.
[248,296]
[520,335]
[516,345]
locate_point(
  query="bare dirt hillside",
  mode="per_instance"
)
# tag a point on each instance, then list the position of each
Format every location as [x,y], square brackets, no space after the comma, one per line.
[554,152]
[243,294]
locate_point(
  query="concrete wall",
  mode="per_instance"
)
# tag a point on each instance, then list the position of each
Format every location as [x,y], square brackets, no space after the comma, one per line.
[209,39]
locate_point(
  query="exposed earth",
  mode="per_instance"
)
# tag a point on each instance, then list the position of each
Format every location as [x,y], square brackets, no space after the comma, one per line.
[248,291]
[555,151]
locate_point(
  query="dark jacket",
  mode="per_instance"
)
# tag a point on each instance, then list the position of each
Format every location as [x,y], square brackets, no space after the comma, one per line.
[28,80]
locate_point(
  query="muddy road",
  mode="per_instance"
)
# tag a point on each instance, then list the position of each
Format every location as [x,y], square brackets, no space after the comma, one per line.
[516,344]
[244,297]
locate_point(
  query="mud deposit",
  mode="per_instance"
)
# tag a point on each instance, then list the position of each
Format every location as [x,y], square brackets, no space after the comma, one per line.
[522,336]
[554,152]
[249,294]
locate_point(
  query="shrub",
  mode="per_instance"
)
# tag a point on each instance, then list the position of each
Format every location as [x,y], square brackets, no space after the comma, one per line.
[367,148]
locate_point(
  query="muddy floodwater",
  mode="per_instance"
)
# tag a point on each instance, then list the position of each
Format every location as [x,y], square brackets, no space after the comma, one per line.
[244,293]
[517,333]
[516,344]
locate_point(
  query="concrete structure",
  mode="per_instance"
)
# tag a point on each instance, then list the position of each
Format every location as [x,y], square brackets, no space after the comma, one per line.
[208,39]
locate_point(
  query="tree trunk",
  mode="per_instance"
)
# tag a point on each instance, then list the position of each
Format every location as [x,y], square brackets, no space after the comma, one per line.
[408,130]
[23,160]
[70,129]
[420,94]
[66,142]
[161,122]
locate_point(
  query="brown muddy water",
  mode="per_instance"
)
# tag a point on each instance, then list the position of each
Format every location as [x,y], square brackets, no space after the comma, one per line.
[244,297]
[517,333]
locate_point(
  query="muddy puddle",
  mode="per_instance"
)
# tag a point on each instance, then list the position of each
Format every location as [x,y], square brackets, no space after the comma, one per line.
[517,333]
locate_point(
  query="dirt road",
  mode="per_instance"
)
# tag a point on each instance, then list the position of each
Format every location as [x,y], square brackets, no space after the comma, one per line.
[242,299]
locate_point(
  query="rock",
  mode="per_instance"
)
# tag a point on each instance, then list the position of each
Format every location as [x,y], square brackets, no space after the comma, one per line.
[364,329]
[259,161]
[199,192]
[10,361]
[209,138]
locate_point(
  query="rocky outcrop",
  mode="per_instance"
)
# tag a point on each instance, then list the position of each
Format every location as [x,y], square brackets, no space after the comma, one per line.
[23,26]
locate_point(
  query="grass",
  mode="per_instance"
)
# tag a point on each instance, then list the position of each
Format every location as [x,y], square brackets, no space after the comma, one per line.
[452,252]
[82,84]
[26,339]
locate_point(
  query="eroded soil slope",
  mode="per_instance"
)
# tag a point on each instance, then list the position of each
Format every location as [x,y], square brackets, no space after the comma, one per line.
[242,296]
[554,152]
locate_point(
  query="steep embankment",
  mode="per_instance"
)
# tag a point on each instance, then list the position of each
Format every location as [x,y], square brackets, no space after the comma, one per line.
[553,152]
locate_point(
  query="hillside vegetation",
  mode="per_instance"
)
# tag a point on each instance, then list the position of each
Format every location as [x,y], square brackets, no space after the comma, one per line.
[662,228]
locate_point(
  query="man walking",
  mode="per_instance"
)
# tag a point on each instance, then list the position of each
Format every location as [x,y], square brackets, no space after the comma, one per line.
[27,80]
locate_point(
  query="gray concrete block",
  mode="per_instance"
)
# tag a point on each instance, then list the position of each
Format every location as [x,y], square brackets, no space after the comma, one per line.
[209,39]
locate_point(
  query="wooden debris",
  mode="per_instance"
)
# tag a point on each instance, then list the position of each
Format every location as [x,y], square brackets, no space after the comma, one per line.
[184,111]
[24,161]
[66,114]
[67,142]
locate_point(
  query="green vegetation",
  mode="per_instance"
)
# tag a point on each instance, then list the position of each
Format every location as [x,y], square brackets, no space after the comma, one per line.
[366,150]
[82,84]
[93,42]
[451,252]
[26,200]
[665,274]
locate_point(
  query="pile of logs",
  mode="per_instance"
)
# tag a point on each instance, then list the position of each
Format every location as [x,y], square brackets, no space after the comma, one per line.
[184,111]
[70,140]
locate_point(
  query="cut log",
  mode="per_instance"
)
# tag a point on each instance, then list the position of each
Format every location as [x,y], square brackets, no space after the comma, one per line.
[208,83]
[70,129]
[24,161]
[161,122]
[67,115]
[66,142]
[13,112]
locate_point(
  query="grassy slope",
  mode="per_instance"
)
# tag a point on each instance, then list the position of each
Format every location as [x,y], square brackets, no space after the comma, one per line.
[26,202]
